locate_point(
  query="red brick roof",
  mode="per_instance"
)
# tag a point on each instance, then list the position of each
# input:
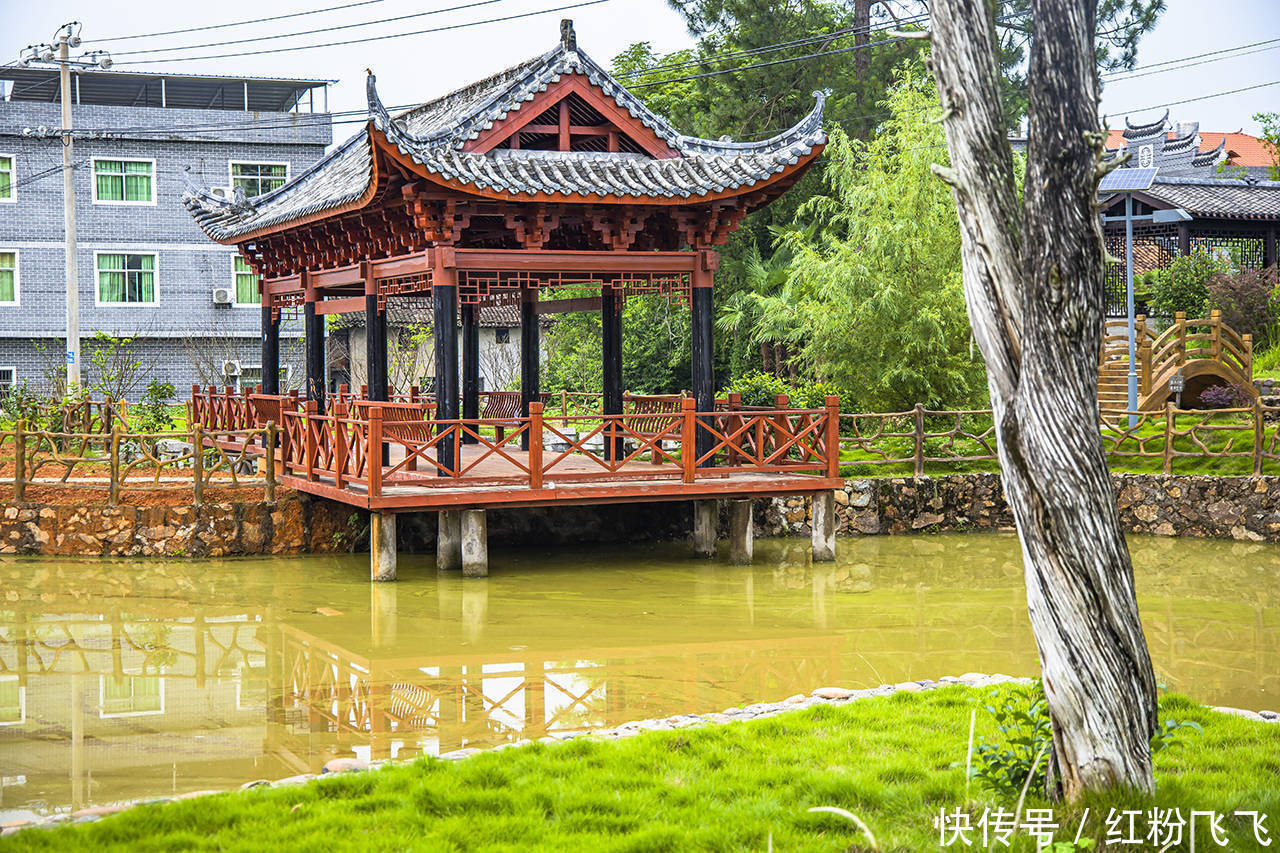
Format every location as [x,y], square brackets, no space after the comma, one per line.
[1242,149]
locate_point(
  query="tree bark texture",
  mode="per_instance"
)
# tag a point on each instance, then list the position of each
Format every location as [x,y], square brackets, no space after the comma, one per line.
[1033,286]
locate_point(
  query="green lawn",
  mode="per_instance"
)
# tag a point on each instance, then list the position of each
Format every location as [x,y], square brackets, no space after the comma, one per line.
[893,761]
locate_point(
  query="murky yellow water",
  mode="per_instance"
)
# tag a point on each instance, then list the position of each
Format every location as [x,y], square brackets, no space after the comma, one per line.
[126,680]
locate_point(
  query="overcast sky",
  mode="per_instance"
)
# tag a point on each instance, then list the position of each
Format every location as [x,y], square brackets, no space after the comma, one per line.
[418,67]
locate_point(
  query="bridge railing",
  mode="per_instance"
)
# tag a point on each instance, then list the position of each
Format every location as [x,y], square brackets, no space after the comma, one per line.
[1160,355]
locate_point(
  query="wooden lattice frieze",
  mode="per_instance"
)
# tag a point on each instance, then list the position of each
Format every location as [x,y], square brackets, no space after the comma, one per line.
[418,282]
[490,287]
[290,302]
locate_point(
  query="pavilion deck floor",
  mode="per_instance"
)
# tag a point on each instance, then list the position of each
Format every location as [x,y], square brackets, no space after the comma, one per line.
[575,479]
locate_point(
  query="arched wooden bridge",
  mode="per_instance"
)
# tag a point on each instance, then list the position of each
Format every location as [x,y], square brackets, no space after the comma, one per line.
[1207,352]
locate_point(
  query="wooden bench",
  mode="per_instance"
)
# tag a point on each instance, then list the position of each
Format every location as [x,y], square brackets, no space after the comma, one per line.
[504,406]
[649,415]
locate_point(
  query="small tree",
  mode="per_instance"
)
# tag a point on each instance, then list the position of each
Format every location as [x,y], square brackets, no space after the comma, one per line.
[1271,140]
[1248,302]
[1184,284]
[114,366]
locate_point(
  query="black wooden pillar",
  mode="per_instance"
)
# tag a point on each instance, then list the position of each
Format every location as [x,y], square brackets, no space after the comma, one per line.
[1269,247]
[313,330]
[530,379]
[1184,238]
[444,292]
[375,348]
[611,358]
[470,366]
[270,349]
[702,348]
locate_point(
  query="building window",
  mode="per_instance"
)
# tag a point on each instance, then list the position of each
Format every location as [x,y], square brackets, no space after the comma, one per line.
[126,279]
[6,177]
[12,706]
[8,278]
[246,283]
[258,178]
[130,694]
[251,376]
[502,336]
[8,377]
[123,181]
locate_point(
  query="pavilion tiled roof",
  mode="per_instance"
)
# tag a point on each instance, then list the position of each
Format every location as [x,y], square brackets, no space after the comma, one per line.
[435,133]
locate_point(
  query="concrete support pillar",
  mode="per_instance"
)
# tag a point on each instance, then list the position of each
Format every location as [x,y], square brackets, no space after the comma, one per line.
[475,544]
[382,546]
[741,533]
[705,516]
[823,525]
[383,614]
[449,540]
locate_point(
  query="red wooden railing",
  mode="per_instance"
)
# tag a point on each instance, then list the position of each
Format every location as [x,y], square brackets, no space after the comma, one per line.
[345,445]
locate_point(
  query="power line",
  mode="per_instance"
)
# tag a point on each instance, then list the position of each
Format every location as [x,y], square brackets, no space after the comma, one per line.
[308,32]
[1122,78]
[239,23]
[1193,56]
[366,39]
[825,37]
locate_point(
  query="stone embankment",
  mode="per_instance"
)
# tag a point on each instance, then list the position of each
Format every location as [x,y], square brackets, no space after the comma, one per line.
[294,524]
[760,710]
[1241,508]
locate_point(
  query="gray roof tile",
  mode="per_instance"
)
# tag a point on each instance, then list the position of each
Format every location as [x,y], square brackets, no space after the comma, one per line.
[434,134]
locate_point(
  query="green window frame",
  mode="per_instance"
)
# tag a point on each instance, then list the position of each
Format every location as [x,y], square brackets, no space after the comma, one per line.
[258,178]
[246,283]
[8,277]
[124,181]
[131,694]
[6,177]
[126,279]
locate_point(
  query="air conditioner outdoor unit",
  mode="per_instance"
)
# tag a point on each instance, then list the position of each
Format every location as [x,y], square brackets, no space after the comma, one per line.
[222,296]
[231,367]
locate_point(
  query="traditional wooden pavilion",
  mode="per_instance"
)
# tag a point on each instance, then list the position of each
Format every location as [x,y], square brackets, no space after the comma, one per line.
[547,176]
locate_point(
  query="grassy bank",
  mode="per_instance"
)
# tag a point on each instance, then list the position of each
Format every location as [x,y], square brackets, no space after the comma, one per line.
[894,761]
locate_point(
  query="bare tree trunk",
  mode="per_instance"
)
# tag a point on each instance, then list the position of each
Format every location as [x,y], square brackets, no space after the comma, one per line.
[1033,284]
[766,357]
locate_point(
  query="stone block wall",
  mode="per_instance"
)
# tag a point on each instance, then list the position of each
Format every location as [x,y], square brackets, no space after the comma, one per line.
[1241,508]
[294,524]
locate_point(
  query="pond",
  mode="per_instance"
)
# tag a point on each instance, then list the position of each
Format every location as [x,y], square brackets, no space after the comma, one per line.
[131,680]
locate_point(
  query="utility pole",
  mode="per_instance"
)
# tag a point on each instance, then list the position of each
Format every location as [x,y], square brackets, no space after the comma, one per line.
[67,37]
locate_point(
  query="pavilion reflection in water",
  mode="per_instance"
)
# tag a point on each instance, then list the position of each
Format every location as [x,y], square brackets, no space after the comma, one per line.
[117,687]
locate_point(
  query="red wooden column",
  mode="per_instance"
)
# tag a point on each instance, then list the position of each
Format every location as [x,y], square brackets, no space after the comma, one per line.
[444,293]
[313,329]
[702,346]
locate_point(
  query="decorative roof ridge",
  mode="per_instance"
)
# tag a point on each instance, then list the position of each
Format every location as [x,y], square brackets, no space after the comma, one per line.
[807,130]
[1138,131]
[195,193]
[1208,158]
[1197,181]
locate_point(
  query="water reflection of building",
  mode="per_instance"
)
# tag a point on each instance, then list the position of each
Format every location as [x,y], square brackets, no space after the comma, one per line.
[115,685]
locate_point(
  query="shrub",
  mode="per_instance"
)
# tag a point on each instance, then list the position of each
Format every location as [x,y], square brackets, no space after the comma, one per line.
[1224,397]
[153,412]
[21,403]
[1247,300]
[760,389]
[1184,284]
[1022,718]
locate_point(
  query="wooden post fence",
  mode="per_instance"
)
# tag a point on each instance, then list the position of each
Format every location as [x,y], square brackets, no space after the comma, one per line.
[269,461]
[1169,416]
[833,436]
[688,452]
[340,443]
[373,451]
[20,461]
[113,483]
[197,463]
[1258,436]
[535,444]
[919,439]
